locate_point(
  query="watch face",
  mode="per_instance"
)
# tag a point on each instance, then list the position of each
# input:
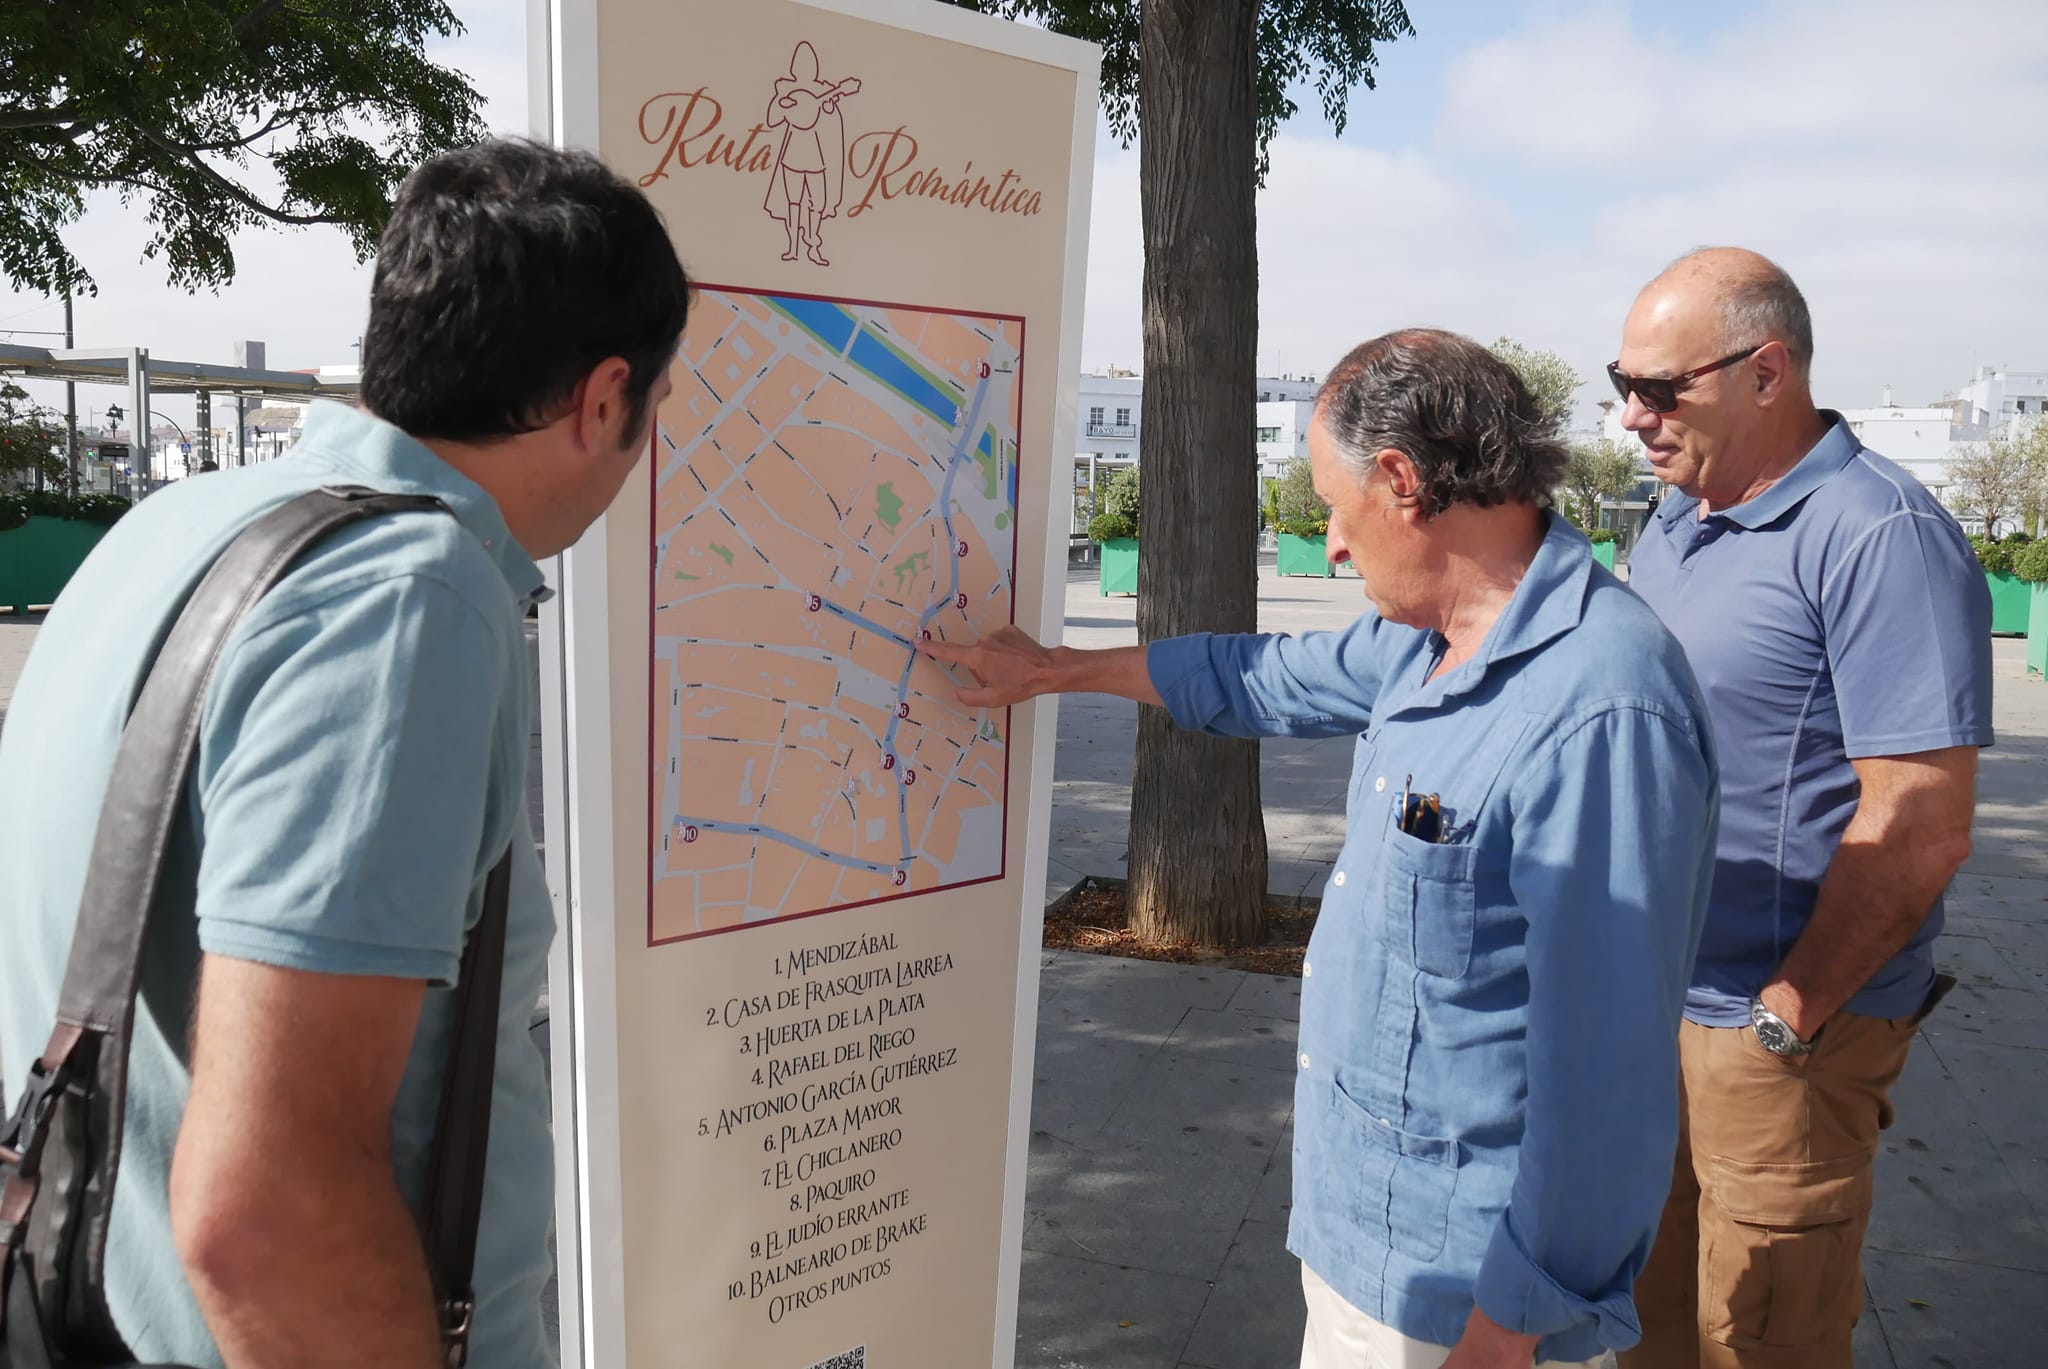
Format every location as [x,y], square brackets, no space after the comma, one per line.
[1774,1036]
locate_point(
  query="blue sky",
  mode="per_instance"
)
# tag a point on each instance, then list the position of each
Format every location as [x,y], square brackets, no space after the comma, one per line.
[1522,168]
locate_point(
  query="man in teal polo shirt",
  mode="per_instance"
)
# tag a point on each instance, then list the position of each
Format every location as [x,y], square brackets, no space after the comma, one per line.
[361,768]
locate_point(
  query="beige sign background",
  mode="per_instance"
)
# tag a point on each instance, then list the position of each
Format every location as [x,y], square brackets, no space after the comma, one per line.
[794,1001]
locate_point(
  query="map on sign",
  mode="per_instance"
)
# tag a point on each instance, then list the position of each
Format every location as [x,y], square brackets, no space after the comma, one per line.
[834,481]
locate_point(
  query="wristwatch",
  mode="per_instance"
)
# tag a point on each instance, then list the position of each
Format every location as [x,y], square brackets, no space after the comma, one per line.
[1774,1033]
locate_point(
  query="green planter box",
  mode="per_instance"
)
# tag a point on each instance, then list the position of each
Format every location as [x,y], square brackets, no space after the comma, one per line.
[2037,633]
[1603,552]
[1304,556]
[37,559]
[2011,601]
[1120,566]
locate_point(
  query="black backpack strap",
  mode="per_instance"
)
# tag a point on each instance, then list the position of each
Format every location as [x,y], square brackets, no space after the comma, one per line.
[462,1127]
[64,1139]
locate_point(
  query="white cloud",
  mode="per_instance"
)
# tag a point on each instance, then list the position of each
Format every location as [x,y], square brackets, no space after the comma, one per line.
[1889,155]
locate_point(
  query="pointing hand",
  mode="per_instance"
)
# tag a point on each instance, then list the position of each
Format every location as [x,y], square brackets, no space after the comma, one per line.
[1008,665]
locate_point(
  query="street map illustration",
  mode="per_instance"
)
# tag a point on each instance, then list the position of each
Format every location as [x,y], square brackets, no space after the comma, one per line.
[833,482]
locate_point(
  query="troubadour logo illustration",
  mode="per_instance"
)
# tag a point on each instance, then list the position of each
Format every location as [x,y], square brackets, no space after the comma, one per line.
[810,167]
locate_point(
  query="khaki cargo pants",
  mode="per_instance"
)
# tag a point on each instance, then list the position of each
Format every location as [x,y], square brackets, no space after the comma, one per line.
[1758,1260]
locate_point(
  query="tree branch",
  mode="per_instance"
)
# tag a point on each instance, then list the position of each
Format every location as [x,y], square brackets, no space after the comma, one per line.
[227,187]
[13,119]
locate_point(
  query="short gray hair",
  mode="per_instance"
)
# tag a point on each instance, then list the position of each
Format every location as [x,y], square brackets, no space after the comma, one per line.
[1760,305]
[1461,414]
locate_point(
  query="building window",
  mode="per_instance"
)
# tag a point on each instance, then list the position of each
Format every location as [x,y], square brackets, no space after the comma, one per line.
[1269,434]
[1095,416]
[1265,397]
[1123,418]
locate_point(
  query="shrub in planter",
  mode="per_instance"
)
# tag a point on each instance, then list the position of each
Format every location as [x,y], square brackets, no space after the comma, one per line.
[1993,554]
[1600,536]
[2030,563]
[1110,527]
[19,506]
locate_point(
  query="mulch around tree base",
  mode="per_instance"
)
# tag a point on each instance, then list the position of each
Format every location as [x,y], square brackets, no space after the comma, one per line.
[1091,917]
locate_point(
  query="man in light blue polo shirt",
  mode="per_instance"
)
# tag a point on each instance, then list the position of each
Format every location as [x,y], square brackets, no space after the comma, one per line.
[1841,629]
[1487,1098]
[362,767]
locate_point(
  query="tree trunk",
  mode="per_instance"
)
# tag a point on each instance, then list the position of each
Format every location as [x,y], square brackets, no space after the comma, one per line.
[1198,839]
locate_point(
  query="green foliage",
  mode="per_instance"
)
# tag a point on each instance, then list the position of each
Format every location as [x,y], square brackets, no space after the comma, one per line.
[1548,376]
[1995,554]
[18,508]
[2030,562]
[1604,469]
[29,436]
[1120,499]
[1298,510]
[1327,43]
[191,110]
[1599,536]
[1108,527]
[1999,481]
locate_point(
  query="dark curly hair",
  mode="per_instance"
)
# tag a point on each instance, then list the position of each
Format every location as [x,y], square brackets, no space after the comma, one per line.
[1459,412]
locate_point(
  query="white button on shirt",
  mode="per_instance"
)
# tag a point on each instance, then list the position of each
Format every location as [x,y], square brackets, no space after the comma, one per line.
[1304,1062]
[1379,786]
[1338,879]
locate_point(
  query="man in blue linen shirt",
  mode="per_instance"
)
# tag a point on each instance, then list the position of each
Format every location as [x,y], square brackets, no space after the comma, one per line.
[1841,629]
[1486,1106]
[361,769]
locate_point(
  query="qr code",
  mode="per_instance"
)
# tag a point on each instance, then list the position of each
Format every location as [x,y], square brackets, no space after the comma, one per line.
[856,1358]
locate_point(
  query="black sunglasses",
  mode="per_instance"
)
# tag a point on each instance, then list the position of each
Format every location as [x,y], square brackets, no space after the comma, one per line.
[1660,393]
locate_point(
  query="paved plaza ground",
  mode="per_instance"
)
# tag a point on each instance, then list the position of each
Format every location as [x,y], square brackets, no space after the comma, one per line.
[1160,1136]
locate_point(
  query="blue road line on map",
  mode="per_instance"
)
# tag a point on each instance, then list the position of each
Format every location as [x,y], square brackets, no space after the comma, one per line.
[880,361]
[866,624]
[784,838]
[953,466]
[827,322]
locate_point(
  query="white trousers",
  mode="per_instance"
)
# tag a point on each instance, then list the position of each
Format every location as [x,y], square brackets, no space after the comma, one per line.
[1340,1336]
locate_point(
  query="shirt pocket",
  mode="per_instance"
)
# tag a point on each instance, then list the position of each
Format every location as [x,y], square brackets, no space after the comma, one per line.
[1398,1185]
[1428,903]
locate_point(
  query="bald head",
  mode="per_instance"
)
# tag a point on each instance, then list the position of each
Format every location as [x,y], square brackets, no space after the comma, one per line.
[1738,297]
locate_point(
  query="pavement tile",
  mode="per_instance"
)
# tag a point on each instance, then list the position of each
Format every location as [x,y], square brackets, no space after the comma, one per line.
[1974,960]
[1998,1090]
[1982,894]
[1113,983]
[1944,1189]
[1258,1042]
[1269,995]
[1165,1184]
[1947,1314]
[1077,1313]
[1083,1069]
[1254,1316]
[1273,1200]
[1993,1015]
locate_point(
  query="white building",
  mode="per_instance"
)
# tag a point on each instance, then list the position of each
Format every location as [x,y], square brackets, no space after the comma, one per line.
[1919,439]
[1107,437]
[1996,395]
[1108,430]
[1282,433]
